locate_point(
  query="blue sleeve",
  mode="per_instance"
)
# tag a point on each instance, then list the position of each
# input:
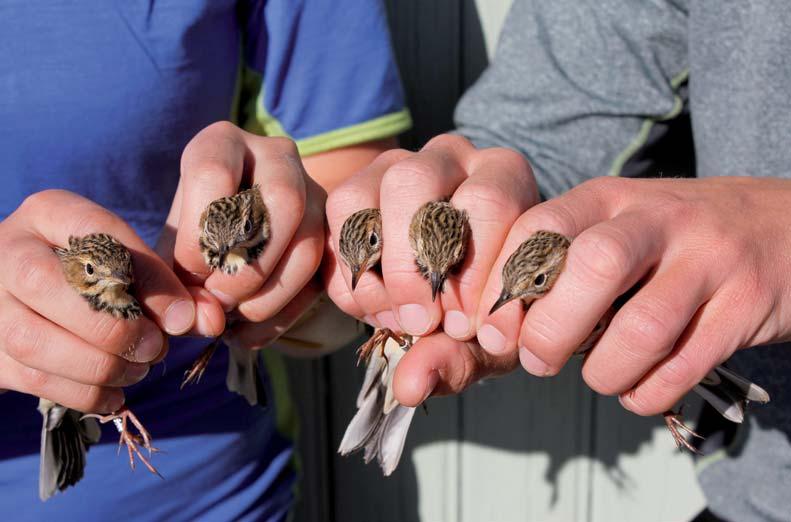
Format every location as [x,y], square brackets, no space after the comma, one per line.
[321,72]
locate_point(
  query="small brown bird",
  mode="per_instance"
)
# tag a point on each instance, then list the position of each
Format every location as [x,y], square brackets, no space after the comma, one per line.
[381,424]
[438,235]
[530,273]
[361,242]
[99,268]
[234,232]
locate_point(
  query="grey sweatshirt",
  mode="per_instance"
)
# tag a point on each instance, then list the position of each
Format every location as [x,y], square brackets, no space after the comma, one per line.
[587,88]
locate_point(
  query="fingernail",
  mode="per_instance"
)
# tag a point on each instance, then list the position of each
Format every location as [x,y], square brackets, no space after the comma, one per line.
[387,320]
[491,339]
[433,379]
[136,372]
[179,317]
[228,303]
[149,346]
[371,320]
[414,319]
[456,324]
[532,364]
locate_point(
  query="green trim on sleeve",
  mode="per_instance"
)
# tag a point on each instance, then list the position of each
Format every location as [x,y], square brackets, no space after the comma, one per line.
[645,128]
[376,129]
[259,121]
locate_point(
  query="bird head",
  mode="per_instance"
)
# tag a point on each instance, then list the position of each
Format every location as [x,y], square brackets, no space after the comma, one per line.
[231,222]
[361,242]
[439,234]
[532,269]
[96,263]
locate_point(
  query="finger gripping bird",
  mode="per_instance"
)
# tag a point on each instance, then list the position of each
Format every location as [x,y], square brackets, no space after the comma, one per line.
[438,235]
[99,268]
[234,232]
[531,271]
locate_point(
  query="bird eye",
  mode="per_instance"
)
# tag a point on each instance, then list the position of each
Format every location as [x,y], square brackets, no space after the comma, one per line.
[248,226]
[88,268]
[374,239]
[540,280]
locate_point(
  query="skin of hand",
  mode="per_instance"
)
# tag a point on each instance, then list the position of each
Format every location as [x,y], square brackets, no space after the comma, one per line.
[266,297]
[494,186]
[52,344]
[708,256]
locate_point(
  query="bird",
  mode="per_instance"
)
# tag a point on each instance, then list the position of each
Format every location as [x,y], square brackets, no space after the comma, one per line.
[234,232]
[530,273]
[438,234]
[100,269]
[381,423]
[361,242]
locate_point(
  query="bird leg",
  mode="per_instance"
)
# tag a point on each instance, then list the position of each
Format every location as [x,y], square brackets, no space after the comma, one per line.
[120,419]
[675,423]
[378,340]
[195,372]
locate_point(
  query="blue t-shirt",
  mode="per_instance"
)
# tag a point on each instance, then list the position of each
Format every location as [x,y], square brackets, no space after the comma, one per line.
[100,98]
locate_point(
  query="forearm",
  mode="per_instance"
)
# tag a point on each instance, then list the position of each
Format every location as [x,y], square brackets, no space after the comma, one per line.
[331,168]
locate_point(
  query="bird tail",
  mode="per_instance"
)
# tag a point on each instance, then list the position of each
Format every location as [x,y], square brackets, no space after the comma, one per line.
[65,439]
[243,375]
[730,393]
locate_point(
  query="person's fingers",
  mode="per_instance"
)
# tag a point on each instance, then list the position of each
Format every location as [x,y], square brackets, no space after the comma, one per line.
[432,174]
[33,341]
[253,336]
[80,397]
[209,319]
[277,170]
[712,335]
[359,192]
[211,167]
[296,267]
[646,328]
[439,365]
[603,262]
[500,188]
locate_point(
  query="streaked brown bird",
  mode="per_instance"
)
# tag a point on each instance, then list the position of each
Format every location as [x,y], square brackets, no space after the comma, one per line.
[530,273]
[361,242]
[234,232]
[381,424]
[99,268]
[438,234]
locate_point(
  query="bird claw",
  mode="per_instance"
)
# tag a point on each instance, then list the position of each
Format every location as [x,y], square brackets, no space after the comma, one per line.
[378,340]
[675,423]
[195,372]
[121,419]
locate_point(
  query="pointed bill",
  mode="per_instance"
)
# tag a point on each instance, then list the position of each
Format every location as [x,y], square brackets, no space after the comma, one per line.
[357,272]
[437,280]
[504,298]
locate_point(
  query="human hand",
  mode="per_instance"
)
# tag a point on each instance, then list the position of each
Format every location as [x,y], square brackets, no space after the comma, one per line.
[271,292]
[494,186]
[707,256]
[52,344]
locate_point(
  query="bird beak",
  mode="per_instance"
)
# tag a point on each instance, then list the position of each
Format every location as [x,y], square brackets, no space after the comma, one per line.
[436,284]
[120,278]
[357,272]
[504,298]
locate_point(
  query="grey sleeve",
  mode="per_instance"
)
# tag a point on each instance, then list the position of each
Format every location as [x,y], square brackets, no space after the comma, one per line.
[577,85]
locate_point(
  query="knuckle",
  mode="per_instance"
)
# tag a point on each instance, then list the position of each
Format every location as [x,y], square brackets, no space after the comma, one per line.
[288,197]
[282,145]
[645,330]
[346,200]
[393,155]
[604,185]
[43,199]
[677,373]
[411,172]
[221,127]
[32,274]
[104,370]
[34,380]
[540,335]
[601,255]
[22,342]
[487,198]
[452,141]
[205,170]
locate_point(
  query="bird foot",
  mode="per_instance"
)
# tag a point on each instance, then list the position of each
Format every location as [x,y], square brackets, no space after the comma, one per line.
[378,340]
[675,423]
[121,419]
[195,372]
